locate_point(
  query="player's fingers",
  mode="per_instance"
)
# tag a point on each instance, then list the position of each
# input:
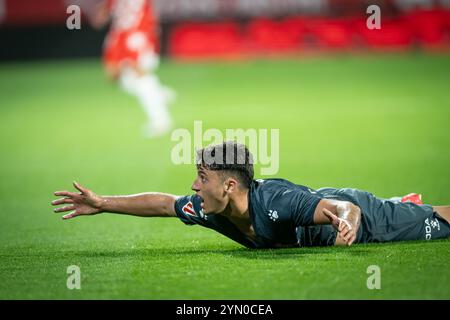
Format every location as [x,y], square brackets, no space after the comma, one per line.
[341,226]
[329,215]
[64,209]
[79,187]
[345,230]
[351,236]
[343,233]
[327,212]
[346,227]
[343,237]
[344,224]
[351,240]
[65,194]
[61,201]
[70,215]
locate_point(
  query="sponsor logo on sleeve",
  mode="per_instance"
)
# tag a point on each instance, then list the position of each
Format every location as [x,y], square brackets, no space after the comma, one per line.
[189,209]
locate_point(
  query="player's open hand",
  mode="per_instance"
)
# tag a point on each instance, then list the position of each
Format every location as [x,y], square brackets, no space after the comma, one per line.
[85,202]
[346,232]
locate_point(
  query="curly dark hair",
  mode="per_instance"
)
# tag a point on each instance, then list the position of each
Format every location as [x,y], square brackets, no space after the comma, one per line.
[231,158]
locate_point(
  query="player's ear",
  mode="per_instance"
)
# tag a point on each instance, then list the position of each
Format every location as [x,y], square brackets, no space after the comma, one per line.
[230,184]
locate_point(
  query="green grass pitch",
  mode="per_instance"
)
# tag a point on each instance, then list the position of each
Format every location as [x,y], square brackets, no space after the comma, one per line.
[379,123]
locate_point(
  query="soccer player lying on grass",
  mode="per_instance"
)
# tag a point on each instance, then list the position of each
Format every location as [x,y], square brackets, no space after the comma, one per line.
[270,213]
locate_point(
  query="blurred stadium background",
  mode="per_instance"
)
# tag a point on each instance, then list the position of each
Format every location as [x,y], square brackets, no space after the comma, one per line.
[236,28]
[359,108]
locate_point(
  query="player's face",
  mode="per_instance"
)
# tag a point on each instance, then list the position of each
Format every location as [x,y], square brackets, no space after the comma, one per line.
[210,186]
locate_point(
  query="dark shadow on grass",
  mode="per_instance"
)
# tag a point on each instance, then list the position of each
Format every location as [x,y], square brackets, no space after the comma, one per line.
[269,254]
[297,253]
[228,250]
[407,243]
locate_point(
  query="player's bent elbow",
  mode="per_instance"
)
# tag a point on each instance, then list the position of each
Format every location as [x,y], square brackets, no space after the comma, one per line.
[347,206]
[352,213]
[356,209]
[342,209]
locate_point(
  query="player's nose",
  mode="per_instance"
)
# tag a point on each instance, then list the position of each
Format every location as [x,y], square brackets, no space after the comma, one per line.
[195,186]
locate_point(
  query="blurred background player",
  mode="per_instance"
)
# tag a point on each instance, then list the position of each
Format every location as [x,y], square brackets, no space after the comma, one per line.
[130,56]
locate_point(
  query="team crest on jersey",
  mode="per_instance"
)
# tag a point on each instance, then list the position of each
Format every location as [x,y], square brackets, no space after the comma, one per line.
[189,209]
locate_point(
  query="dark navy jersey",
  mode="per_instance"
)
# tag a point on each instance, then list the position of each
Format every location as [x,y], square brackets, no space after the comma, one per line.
[280,211]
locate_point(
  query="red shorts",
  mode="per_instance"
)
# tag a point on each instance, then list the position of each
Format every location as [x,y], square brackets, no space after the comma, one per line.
[131,47]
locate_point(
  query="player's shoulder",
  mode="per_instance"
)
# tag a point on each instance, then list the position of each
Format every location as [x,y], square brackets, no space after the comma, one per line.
[274,183]
[270,186]
[268,190]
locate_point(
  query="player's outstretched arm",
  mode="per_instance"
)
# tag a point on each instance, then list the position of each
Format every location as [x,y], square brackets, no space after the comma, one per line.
[344,216]
[86,202]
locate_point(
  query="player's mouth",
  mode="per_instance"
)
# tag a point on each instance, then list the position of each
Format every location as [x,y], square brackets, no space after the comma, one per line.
[202,203]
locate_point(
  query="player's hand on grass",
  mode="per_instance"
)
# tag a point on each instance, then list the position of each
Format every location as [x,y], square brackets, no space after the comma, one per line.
[346,231]
[84,202]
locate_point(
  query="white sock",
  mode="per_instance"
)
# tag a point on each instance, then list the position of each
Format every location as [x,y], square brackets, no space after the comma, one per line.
[147,89]
[152,100]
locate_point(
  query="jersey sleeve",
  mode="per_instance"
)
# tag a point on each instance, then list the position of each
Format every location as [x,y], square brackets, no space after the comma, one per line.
[298,204]
[188,210]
